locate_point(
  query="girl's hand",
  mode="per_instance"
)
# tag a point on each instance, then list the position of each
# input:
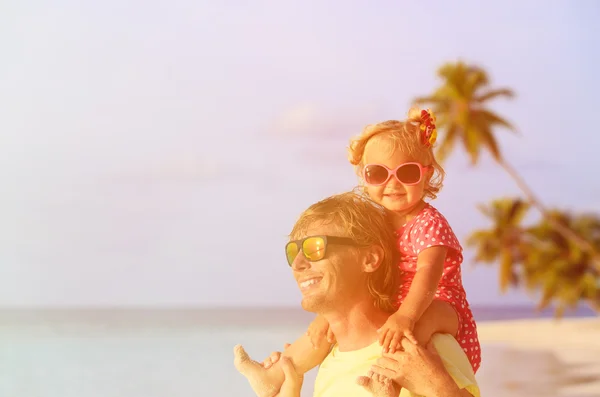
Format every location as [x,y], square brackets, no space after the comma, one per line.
[395,328]
[319,330]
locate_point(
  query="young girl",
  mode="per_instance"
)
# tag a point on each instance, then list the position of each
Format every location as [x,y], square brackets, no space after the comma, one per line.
[396,163]
[397,168]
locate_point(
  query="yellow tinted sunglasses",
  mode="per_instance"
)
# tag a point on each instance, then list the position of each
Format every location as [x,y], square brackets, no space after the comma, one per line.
[313,248]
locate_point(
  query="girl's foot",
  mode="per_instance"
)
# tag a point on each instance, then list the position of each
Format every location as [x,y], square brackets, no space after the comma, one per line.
[379,386]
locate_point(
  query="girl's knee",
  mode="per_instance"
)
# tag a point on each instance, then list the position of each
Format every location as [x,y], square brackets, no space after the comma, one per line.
[440,317]
[423,333]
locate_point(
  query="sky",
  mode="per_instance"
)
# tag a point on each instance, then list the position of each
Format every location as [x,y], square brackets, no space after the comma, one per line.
[158,153]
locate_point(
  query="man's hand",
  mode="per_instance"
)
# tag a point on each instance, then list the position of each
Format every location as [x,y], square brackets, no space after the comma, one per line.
[273,357]
[418,369]
[395,328]
[292,385]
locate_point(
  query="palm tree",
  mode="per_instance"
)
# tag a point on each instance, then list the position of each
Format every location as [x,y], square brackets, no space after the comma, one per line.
[559,267]
[460,106]
[538,256]
[505,241]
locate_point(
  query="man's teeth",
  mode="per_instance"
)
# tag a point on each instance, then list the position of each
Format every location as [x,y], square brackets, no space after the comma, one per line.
[310,282]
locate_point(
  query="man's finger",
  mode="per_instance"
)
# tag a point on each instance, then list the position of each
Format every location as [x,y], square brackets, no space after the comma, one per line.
[275,356]
[387,362]
[292,379]
[388,373]
[407,345]
[288,368]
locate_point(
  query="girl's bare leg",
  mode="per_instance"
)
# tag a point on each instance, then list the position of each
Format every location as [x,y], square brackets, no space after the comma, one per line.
[440,317]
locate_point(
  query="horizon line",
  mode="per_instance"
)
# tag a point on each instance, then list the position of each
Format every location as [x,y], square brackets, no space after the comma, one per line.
[220,307]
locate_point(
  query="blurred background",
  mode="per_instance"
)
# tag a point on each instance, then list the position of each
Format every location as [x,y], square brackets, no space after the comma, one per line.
[155,155]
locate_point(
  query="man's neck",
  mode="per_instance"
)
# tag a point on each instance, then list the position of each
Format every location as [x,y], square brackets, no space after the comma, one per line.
[356,326]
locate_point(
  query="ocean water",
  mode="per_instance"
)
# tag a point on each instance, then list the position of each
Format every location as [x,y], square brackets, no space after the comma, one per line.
[151,353]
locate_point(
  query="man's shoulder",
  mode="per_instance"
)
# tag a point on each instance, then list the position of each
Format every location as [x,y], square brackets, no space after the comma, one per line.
[456,362]
[446,344]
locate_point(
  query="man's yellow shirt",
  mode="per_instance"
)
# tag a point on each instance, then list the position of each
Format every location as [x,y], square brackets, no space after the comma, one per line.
[338,372]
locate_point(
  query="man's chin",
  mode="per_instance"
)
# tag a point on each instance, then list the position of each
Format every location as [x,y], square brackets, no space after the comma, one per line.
[312,303]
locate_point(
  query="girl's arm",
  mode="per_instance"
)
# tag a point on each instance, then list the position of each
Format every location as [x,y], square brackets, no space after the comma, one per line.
[430,268]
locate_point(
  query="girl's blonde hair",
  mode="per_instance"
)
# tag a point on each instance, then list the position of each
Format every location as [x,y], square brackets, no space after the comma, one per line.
[405,136]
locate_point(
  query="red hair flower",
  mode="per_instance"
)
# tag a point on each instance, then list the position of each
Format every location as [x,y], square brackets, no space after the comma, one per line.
[428,130]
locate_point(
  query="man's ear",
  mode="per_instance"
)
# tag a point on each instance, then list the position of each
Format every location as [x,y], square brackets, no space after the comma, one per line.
[372,258]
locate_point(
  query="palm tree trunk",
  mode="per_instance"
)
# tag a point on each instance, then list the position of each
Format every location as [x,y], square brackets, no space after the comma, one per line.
[594,305]
[566,231]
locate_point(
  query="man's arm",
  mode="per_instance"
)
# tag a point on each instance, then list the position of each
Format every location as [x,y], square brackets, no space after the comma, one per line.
[443,385]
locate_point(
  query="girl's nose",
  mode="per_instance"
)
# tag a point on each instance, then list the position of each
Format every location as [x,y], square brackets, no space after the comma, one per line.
[393,182]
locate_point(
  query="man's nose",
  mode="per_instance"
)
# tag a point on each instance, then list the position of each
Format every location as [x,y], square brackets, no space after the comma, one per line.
[300,263]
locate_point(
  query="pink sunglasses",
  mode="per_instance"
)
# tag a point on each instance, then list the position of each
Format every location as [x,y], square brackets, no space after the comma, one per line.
[407,173]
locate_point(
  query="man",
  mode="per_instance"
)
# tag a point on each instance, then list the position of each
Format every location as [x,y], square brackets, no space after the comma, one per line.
[343,257]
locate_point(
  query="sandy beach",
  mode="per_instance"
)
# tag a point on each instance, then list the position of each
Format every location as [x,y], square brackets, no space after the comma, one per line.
[540,358]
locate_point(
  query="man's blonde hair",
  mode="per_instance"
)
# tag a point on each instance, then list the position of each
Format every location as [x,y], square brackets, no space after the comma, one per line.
[366,222]
[395,135]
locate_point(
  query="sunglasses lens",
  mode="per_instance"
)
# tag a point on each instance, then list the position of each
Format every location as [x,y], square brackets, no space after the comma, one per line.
[291,251]
[375,174]
[409,173]
[314,248]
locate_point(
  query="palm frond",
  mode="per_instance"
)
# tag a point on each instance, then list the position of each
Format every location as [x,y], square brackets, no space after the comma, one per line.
[500,92]
[518,211]
[471,142]
[488,140]
[475,79]
[447,143]
[492,118]
[506,270]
